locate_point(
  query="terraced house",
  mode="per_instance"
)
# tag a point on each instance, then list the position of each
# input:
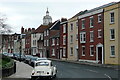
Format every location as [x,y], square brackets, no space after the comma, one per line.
[112,33]
[73,38]
[91,35]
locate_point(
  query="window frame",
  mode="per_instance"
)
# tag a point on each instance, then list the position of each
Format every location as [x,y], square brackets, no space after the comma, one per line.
[82,51]
[111,54]
[99,18]
[112,34]
[91,46]
[112,19]
[92,36]
[91,22]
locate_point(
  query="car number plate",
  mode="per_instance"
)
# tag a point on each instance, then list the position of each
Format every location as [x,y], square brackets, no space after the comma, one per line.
[40,72]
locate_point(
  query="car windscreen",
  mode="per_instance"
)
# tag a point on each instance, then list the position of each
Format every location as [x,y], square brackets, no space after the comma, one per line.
[42,64]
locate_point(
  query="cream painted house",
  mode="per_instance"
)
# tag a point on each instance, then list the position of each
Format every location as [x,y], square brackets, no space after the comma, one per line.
[73,38]
[112,33]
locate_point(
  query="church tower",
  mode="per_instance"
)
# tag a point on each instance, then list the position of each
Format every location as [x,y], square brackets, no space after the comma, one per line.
[47,19]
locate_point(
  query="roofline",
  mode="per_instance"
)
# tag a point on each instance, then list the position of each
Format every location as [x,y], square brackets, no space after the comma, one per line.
[63,22]
[54,24]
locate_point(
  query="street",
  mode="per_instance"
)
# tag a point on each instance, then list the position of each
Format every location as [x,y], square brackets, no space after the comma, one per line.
[68,71]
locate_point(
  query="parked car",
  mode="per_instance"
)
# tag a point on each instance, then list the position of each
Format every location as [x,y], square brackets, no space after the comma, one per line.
[21,57]
[5,53]
[44,69]
[10,55]
[34,59]
[27,58]
[15,56]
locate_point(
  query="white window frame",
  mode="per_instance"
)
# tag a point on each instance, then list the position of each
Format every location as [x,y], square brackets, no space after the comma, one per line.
[99,18]
[82,51]
[57,41]
[47,42]
[53,42]
[47,32]
[44,42]
[44,33]
[91,36]
[112,34]
[90,50]
[53,52]
[64,28]
[91,22]
[82,37]
[112,18]
[64,40]
[64,51]
[99,33]
[111,55]
[83,23]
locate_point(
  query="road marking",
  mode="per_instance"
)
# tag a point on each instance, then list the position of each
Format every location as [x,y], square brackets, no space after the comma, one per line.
[91,70]
[108,76]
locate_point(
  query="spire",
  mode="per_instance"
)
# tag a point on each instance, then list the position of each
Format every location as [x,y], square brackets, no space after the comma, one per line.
[47,12]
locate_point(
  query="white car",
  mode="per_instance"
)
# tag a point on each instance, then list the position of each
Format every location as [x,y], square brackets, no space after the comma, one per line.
[44,69]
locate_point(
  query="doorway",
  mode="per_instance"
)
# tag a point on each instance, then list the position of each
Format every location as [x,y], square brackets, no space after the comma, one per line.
[100,55]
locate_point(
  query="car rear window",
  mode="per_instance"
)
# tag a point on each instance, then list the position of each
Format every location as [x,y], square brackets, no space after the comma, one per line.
[42,64]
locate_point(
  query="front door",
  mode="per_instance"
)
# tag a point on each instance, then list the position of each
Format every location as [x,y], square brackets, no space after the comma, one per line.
[100,54]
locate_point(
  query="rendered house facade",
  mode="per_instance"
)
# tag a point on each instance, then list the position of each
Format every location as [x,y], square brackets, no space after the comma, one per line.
[112,33]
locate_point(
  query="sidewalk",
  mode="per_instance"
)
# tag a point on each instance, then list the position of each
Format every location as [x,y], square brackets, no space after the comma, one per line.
[116,67]
[22,70]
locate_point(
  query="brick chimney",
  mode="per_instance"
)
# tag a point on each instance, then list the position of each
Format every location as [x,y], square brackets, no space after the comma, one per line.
[63,19]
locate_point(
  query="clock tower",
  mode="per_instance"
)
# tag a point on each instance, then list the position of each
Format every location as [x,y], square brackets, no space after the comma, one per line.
[47,19]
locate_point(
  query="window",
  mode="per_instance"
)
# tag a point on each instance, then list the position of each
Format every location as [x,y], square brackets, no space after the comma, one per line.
[44,33]
[83,50]
[83,24]
[112,20]
[76,24]
[53,52]
[47,32]
[99,33]
[64,28]
[91,36]
[57,41]
[71,27]
[112,34]
[112,51]
[47,42]
[71,38]
[53,41]
[71,51]
[44,42]
[91,50]
[82,37]
[76,36]
[91,22]
[64,52]
[99,18]
[64,40]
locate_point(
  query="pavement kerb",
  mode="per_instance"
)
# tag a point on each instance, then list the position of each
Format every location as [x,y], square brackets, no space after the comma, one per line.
[90,64]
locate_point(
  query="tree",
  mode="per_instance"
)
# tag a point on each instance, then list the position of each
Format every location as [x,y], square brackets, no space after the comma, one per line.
[4,28]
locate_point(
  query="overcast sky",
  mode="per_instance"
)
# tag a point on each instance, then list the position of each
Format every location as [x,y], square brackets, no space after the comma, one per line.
[29,13]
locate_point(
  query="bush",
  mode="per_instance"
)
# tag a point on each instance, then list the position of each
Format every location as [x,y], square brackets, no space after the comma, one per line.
[7,62]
